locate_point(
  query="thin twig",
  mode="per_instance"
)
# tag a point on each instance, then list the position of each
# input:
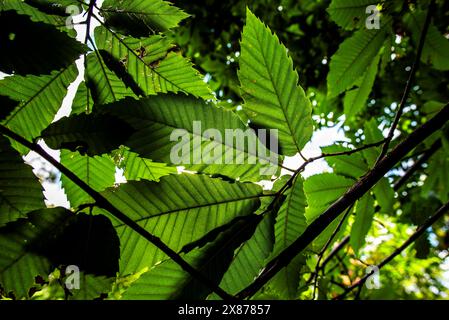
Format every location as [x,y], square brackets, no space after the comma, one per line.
[103,203]
[441,211]
[353,194]
[329,241]
[344,266]
[88,19]
[417,165]
[349,152]
[334,251]
[409,83]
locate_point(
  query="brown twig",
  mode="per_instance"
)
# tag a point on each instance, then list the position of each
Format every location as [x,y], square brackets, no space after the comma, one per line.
[334,251]
[443,210]
[417,165]
[353,194]
[410,80]
[328,242]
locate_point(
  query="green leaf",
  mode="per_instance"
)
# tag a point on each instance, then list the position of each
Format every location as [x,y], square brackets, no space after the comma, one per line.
[137,168]
[20,190]
[49,238]
[290,224]
[7,105]
[18,264]
[383,191]
[101,85]
[362,223]
[355,99]
[179,209]
[350,14]
[171,129]
[39,97]
[436,45]
[273,98]
[437,181]
[82,102]
[352,166]
[290,220]
[51,49]
[57,7]
[162,282]
[168,281]
[322,190]
[151,66]
[149,50]
[97,172]
[35,15]
[218,255]
[104,85]
[422,246]
[250,258]
[384,194]
[353,58]
[431,108]
[83,240]
[141,18]
[372,135]
[91,287]
[89,134]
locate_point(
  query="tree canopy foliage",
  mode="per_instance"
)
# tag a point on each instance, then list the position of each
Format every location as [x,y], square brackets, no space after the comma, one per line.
[138,78]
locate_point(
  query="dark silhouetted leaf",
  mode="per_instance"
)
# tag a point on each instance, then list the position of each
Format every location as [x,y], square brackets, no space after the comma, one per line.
[20,190]
[87,134]
[32,47]
[139,18]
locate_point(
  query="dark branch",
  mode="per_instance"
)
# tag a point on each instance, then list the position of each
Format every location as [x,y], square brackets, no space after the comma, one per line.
[353,194]
[443,210]
[417,165]
[328,243]
[334,251]
[102,202]
[88,19]
[410,80]
[349,152]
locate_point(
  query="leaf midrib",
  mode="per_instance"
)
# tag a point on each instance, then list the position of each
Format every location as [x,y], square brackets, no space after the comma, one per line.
[142,61]
[20,108]
[343,74]
[275,87]
[198,207]
[223,143]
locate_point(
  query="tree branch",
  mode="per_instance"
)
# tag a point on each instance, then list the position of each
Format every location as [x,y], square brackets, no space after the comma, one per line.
[349,152]
[443,210]
[318,268]
[417,165]
[353,194]
[334,251]
[102,202]
[88,19]
[410,80]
